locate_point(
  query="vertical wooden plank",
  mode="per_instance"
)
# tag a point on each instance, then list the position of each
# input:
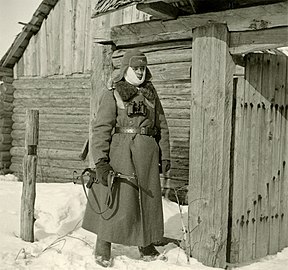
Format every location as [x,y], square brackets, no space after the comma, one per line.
[67,45]
[262,234]
[56,30]
[49,42]
[281,87]
[78,52]
[237,225]
[20,67]
[210,135]
[43,53]
[88,38]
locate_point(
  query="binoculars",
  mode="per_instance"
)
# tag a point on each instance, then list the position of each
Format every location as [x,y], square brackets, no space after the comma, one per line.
[136,109]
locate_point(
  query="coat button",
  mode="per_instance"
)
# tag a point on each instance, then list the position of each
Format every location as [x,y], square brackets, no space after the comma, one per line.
[130,122]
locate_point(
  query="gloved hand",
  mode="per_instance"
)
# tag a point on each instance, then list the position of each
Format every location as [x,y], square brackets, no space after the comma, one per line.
[166,165]
[103,168]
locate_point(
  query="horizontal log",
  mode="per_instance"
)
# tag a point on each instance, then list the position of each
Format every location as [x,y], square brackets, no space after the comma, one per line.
[5,156]
[59,83]
[181,133]
[5,147]
[44,173]
[55,163]
[6,98]
[6,122]
[5,130]
[173,88]
[59,145]
[163,57]
[6,72]
[178,122]
[177,113]
[5,114]
[57,127]
[54,103]
[55,113]
[54,135]
[168,72]
[152,48]
[8,88]
[58,119]
[175,101]
[243,19]
[49,153]
[249,41]
[5,138]
[51,93]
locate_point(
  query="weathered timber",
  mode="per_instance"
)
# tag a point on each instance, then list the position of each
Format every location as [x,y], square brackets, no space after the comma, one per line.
[159,10]
[55,113]
[49,153]
[51,93]
[6,72]
[70,117]
[244,19]
[249,41]
[29,177]
[210,134]
[54,103]
[81,82]
[54,135]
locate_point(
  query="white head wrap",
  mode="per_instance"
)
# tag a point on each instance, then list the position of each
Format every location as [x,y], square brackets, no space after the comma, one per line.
[132,78]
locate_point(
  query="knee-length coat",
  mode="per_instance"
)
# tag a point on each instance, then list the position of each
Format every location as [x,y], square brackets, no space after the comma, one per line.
[135,216]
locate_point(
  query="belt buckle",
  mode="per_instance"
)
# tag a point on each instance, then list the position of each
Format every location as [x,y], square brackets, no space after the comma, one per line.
[143,131]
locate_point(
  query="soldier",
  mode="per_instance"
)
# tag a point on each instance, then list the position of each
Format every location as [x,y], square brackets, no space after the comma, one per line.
[129,134]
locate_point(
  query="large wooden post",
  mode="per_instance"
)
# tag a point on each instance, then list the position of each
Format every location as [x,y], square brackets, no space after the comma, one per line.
[210,138]
[29,176]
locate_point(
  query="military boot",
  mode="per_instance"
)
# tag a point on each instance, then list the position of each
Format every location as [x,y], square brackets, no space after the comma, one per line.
[148,253]
[103,253]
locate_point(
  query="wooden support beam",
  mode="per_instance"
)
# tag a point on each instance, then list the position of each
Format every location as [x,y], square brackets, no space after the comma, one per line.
[210,136]
[249,41]
[243,19]
[29,176]
[159,10]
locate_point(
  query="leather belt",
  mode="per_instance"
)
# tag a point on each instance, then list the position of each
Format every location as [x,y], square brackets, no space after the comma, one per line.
[148,131]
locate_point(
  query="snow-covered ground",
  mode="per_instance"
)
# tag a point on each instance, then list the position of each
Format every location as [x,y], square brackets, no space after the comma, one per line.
[62,244]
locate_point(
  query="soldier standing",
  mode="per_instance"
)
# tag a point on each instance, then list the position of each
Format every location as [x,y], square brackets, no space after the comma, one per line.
[129,134]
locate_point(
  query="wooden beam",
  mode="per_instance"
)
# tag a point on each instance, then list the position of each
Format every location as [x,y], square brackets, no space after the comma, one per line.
[210,136]
[243,19]
[159,10]
[249,41]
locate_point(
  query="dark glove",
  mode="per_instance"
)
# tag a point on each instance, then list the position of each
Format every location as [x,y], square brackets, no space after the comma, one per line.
[166,165]
[103,168]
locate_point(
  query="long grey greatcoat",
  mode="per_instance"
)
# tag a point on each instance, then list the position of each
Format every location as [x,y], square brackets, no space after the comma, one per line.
[136,216]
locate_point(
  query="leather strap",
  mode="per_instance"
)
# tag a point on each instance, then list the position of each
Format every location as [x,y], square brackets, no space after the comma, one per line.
[137,130]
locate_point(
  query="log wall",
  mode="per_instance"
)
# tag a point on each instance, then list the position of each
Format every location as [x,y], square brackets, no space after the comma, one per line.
[170,65]
[6,108]
[64,105]
[260,178]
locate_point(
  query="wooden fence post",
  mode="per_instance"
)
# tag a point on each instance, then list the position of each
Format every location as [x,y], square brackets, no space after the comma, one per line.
[29,176]
[210,137]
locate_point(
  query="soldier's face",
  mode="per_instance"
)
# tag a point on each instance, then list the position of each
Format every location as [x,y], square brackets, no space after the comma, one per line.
[139,71]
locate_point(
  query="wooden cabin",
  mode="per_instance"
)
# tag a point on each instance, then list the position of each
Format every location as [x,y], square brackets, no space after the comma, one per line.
[223,86]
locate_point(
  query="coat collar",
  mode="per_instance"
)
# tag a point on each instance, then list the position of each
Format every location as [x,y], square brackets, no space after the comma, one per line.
[128,91]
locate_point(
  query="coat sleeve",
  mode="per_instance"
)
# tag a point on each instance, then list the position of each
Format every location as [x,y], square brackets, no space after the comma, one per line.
[102,126]
[162,126]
